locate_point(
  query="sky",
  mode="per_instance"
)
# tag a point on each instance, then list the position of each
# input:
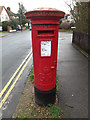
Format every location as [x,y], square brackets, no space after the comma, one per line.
[32,4]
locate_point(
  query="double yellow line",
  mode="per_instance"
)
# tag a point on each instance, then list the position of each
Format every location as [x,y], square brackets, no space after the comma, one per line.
[26,60]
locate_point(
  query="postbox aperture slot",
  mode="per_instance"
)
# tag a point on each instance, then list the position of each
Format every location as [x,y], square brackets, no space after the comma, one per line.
[45,32]
[46,48]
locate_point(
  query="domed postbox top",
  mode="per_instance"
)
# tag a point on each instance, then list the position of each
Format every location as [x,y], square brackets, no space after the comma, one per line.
[45,12]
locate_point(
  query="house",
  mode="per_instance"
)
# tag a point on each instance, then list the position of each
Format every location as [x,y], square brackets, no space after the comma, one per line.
[4,16]
[68,18]
[67,22]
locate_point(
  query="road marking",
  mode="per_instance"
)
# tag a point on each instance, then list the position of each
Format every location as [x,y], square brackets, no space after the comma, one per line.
[6,86]
[12,86]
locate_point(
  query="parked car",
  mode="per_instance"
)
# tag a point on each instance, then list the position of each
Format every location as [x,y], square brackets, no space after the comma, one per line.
[18,28]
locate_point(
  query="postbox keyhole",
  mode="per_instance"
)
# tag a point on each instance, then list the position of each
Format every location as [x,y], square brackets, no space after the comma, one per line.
[46,26]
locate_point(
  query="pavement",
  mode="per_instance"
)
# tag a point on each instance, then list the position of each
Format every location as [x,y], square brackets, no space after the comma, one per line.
[4,34]
[72,70]
[7,33]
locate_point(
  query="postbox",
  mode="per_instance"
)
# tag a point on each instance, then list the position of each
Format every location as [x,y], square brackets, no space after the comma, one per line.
[45,24]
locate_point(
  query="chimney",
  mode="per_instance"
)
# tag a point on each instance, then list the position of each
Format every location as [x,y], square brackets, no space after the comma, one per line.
[8,8]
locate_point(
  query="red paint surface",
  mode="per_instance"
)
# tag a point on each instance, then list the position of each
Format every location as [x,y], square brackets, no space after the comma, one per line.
[44,67]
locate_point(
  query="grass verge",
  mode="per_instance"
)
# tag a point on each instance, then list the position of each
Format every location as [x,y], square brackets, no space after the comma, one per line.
[63,30]
[3,31]
[27,108]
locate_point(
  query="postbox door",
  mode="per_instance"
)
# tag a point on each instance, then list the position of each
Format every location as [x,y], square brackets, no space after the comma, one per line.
[48,61]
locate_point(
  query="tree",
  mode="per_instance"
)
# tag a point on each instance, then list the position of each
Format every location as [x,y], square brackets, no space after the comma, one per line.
[13,23]
[21,15]
[79,10]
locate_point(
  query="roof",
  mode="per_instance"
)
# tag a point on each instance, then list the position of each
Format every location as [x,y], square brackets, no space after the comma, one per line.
[1,8]
[11,13]
[67,14]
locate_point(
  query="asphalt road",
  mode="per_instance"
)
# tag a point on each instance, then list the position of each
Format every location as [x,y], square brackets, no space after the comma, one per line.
[15,48]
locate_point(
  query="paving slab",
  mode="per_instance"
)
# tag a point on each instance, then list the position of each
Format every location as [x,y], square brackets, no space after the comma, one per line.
[72,70]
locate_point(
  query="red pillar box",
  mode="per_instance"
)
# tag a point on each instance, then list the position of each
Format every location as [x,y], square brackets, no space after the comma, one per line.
[45,24]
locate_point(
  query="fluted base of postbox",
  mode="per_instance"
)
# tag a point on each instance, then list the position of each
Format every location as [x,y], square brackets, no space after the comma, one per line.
[43,98]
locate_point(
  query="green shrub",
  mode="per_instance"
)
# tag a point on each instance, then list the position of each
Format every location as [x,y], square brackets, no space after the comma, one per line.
[4,25]
[65,25]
